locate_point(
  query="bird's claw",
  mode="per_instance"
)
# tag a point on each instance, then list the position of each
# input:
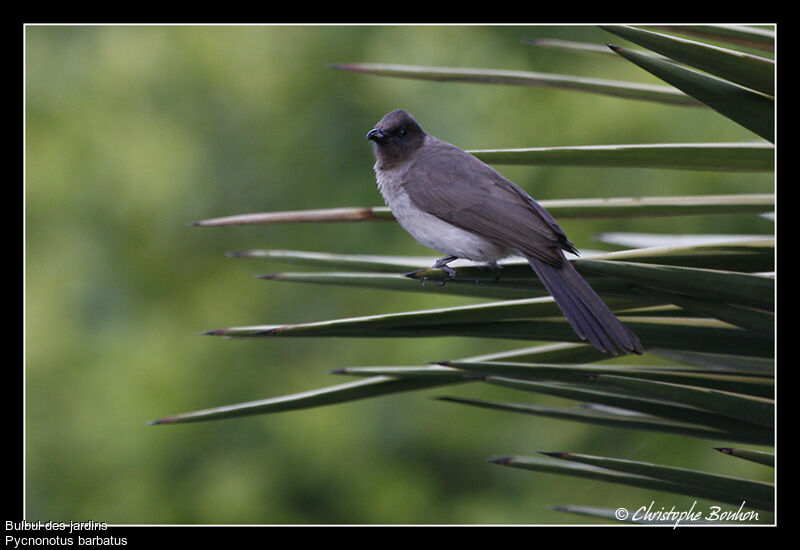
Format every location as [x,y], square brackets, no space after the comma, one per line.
[497,268]
[451,273]
[441,263]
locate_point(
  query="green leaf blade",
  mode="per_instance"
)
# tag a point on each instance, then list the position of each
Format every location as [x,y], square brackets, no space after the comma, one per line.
[611,476]
[737,288]
[747,70]
[732,490]
[352,391]
[621,421]
[616,207]
[627,90]
[646,405]
[719,157]
[759,457]
[741,35]
[748,408]
[749,109]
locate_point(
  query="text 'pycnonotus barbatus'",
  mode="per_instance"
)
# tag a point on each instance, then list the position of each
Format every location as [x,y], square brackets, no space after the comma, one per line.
[452,202]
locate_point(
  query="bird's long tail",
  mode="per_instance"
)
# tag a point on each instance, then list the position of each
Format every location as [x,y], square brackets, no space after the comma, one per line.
[584,309]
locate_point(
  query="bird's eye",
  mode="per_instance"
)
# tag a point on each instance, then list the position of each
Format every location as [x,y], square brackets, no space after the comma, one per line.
[402,131]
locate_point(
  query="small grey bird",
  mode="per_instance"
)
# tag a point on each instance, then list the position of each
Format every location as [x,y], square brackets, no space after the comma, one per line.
[452,202]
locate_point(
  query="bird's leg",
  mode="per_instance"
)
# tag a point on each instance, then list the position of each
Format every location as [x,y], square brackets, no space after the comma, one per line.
[441,263]
[497,268]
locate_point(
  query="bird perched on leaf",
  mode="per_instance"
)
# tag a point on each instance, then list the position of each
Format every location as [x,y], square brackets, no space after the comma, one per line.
[452,202]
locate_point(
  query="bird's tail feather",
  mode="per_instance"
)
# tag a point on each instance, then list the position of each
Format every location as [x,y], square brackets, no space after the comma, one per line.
[584,309]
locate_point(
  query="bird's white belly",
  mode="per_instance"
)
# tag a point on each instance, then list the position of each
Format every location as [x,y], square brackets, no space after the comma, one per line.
[434,232]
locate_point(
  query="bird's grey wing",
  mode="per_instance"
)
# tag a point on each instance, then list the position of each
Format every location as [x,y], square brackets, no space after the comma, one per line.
[460,189]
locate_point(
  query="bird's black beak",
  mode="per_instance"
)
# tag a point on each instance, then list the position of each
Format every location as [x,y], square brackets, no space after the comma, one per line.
[376,135]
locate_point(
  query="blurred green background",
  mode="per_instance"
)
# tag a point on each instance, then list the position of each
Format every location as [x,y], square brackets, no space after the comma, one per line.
[133,132]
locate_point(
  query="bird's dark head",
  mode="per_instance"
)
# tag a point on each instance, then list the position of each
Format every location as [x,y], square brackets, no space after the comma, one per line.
[397,136]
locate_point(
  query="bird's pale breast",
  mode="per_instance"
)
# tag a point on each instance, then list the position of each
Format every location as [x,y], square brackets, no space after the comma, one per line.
[430,230]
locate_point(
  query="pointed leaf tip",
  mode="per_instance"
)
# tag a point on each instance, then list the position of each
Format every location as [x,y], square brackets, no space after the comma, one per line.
[158,422]
[344,66]
[504,460]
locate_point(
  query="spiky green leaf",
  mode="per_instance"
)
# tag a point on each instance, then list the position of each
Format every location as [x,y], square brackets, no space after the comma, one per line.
[737,35]
[342,393]
[560,208]
[646,405]
[749,408]
[719,157]
[750,71]
[736,288]
[616,420]
[603,474]
[759,457]
[755,494]
[750,109]
[627,90]
[751,383]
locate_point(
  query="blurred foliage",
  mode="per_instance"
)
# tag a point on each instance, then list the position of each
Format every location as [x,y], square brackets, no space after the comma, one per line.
[132,132]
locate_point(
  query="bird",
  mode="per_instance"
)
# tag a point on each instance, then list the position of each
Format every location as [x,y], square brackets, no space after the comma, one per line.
[454,203]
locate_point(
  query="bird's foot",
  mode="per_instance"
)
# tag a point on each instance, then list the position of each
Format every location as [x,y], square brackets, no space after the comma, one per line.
[441,263]
[497,268]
